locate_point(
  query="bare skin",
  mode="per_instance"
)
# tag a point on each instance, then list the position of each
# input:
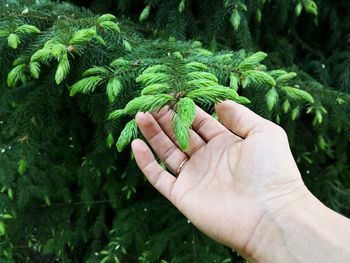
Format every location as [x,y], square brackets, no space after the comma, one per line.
[239,177]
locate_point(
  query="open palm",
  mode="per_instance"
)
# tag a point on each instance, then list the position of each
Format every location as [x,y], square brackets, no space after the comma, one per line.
[231,174]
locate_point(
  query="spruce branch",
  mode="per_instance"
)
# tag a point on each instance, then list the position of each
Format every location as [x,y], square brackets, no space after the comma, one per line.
[106,17]
[257,77]
[182,121]
[34,68]
[62,69]
[252,61]
[116,114]
[234,81]
[114,86]
[129,133]
[85,85]
[181,131]
[15,75]
[186,109]
[109,25]
[272,98]
[179,84]
[216,94]
[13,40]
[27,29]
[295,93]
[147,103]
[145,13]
[15,34]
[22,166]
[154,89]
[96,71]
[59,47]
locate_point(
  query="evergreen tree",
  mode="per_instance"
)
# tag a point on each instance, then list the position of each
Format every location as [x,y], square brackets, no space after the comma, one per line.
[72,79]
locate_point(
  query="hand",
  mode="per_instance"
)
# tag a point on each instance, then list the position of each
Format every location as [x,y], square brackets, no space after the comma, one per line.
[237,172]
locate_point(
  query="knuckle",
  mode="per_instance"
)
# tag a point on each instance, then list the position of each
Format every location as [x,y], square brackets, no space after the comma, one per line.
[201,124]
[169,152]
[278,130]
[272,129]
[155,136]
[157,180]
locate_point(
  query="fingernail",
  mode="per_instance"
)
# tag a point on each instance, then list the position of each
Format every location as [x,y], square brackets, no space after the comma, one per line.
[139,114]
[133,143]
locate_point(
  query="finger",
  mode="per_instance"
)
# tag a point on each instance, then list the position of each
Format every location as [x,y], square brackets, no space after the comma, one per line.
[167,151]
[206,126]
[156,175]
[164,118]
[238,118]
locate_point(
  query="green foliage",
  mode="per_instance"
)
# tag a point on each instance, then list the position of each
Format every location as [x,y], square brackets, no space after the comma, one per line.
[257,77]
[297,94]
[235,19]
[186,109]
[145,13]
[182,121]
[2,229]
[22,167]
[127,135]
[62,69]
[34,68]
[13,40]
[181,82]
[147,103]
[214,94]
[27,29]
[16,74]
[252,61]
[14,33]
[310,7]
[85,85]
[271,98]
[113,88]
[72,82]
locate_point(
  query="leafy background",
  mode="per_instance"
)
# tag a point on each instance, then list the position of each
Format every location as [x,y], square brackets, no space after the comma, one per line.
[66,196]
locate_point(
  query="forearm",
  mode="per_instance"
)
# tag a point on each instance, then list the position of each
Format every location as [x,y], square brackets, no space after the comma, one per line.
[305,231]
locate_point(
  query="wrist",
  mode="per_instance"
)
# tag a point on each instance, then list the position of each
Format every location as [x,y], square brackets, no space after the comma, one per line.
[303,230]
[278,223]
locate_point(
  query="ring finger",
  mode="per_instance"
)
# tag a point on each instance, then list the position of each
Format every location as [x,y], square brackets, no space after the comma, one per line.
[165,148]
[164,118]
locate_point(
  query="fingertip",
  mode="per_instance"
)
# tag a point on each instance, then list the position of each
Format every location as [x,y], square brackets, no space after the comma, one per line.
[142,152]
[224,108]
[222,105]
[157,114]
[139,116]
[137,144]
[139,148]
[238,118]
[143,120]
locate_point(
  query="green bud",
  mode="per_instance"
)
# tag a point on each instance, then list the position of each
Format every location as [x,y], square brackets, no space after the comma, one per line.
[181,7]
[286,106]
[129,133]
[271,98]
[22,167]
[235,19]
[298,9]
[110,140]
[145,13]
[295,113]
